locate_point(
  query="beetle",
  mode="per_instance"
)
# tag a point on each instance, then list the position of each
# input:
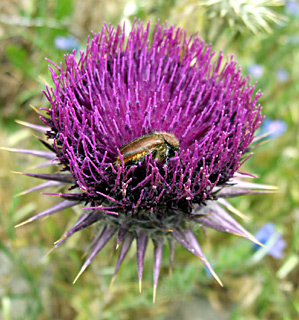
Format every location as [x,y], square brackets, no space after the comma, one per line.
[162,145]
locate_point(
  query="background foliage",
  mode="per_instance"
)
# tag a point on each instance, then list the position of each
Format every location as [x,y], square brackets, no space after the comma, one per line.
[34,285]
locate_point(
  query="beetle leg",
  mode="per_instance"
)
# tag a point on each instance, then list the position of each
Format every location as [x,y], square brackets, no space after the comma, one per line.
[167,155]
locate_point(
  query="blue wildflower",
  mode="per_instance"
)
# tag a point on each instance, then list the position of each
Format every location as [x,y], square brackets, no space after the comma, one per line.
[256,70]
[66,43]
[292,8]
[282,75]
[273,241]
[274,128]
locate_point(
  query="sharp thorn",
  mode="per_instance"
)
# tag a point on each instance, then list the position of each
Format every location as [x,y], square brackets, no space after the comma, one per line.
[17,172]
[20,194]
[254,240]
[154,293]
[23,123]
[84,255]
[249,237]
[36,110]
[202,259]
[44,80]
[62,238]
[23,223]
[140,286]
[50,251]
[237,212]
[34,135]
[112,282]
[79,274]
[50,194]
[216,277]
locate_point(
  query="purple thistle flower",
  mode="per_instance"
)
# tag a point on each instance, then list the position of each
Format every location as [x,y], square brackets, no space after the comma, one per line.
[149,133]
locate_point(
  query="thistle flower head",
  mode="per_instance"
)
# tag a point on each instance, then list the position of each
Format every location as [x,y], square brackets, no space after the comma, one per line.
[149,133]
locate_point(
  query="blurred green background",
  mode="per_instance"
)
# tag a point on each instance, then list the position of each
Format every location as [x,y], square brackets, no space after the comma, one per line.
[264,38]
